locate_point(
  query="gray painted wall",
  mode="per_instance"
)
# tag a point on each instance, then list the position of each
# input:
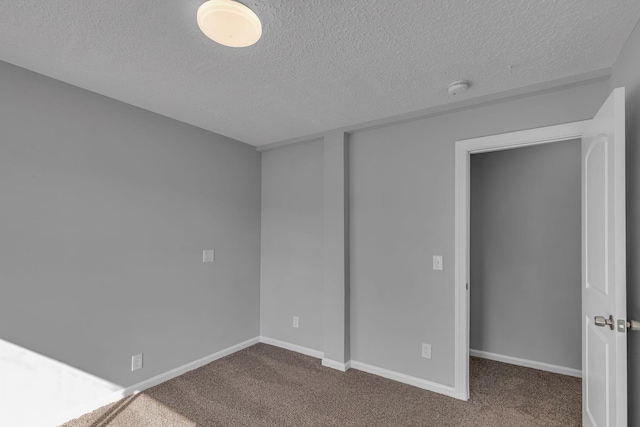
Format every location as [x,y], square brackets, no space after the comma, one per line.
[402,213]
[292,244]
[526,253]
[106,209]
[336,248]
[626,72]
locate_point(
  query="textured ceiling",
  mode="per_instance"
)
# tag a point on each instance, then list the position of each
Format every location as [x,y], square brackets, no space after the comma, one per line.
[320,65]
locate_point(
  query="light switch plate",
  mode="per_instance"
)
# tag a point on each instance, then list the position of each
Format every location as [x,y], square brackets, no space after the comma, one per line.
[437,262]
[208,255]
[296,322]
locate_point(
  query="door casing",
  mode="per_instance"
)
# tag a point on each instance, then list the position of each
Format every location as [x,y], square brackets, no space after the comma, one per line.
[464,149]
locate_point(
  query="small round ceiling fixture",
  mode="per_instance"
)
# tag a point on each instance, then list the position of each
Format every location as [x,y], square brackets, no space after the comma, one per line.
[458,87]
[229,23]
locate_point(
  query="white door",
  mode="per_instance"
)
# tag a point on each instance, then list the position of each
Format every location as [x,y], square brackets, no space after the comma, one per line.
[604,342]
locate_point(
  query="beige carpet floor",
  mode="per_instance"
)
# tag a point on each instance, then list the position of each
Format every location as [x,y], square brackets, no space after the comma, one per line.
[267,386]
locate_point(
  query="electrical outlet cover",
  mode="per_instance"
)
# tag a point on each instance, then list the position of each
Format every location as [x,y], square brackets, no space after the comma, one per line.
[136,362]
[426,351]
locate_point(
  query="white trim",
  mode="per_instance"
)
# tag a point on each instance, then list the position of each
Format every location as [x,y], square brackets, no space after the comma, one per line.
[463,151]
[556,369]
[143,385]
[404,378]
[342,367]
[524,138]
[293,347]
[461,331]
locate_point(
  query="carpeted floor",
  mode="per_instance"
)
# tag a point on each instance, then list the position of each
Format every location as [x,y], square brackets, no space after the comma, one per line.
[268,386]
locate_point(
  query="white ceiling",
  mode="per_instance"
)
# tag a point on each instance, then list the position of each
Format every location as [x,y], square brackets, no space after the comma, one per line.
[320,65]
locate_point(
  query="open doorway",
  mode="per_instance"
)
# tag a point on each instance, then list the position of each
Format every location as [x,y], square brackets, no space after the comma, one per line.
[525,271]
[525,256]
[603,279]
[464,150]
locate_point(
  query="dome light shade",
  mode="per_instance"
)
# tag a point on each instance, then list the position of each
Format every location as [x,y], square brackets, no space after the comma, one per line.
[229,23]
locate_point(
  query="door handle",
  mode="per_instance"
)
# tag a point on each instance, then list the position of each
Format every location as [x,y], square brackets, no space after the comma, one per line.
[602,321]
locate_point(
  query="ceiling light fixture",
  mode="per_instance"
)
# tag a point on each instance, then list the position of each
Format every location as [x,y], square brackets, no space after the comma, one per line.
[229,23]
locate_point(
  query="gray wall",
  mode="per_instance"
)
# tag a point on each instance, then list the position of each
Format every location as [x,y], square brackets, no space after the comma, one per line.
[402,213]
[626,72]
[526,253]
[292,244]
[106,209]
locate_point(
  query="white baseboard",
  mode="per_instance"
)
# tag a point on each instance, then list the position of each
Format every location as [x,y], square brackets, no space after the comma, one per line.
[143,385]
[343,367]
[526,363]
[293,347]
[406,379]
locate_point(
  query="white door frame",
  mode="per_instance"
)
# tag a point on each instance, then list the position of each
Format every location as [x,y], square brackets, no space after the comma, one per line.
[464,149]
